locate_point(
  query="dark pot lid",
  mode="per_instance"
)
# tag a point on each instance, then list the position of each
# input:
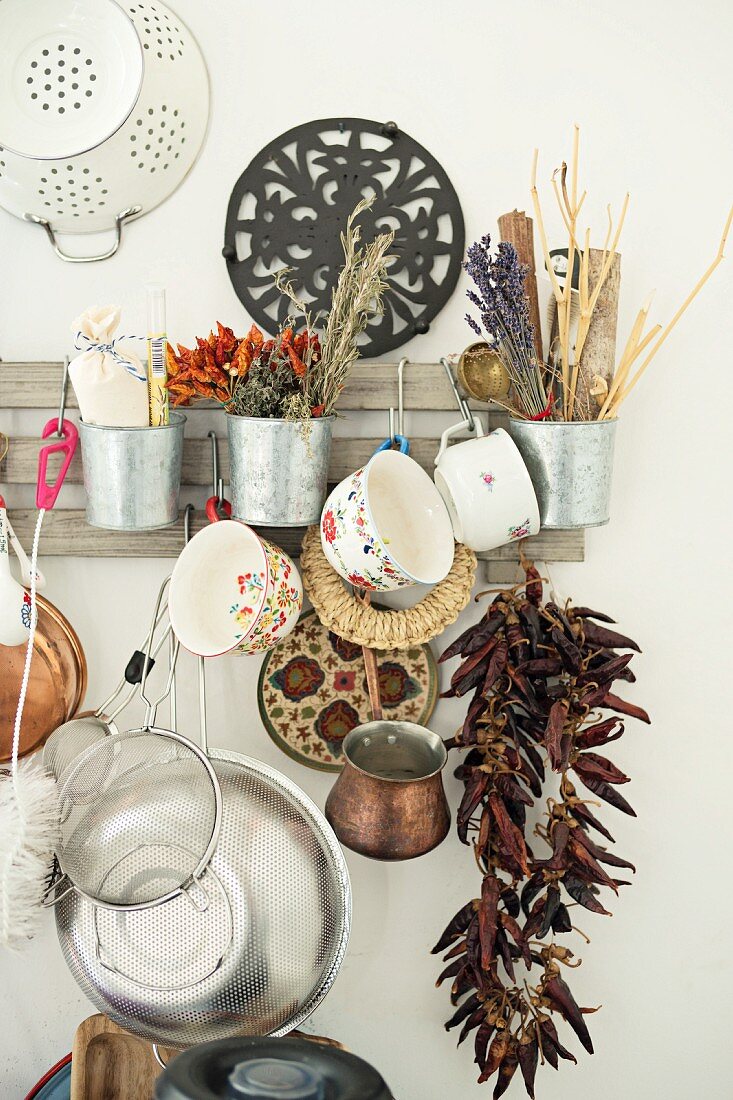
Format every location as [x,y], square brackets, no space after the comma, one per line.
[269,1069]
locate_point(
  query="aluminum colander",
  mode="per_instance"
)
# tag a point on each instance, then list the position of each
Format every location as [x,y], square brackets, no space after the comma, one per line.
[261,955]
[103,110]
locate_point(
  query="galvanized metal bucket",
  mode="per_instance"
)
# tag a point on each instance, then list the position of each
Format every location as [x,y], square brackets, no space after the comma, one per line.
[278,469]
[571,465]
[132,475]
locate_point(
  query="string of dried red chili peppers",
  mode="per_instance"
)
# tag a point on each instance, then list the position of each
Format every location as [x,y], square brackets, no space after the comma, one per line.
[540,677]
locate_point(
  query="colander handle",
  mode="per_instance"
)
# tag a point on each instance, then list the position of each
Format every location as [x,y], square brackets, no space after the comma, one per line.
[123,216]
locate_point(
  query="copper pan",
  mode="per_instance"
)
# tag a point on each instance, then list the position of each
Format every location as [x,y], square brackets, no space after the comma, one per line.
[57,683]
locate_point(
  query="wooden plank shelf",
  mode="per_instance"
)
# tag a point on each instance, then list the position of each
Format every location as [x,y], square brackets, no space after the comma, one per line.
[371,386]
[21,463]
[65,531]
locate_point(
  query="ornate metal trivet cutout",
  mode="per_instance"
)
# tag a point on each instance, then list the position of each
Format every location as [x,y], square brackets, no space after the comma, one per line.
[291,203]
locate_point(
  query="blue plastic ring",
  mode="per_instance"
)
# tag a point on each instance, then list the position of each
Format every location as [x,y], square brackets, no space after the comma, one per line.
[387,445]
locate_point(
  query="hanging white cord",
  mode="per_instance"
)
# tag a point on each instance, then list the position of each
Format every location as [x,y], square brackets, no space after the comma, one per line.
[29,649]
[29,819]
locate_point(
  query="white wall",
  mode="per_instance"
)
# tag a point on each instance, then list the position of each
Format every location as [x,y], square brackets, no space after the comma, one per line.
[650,84]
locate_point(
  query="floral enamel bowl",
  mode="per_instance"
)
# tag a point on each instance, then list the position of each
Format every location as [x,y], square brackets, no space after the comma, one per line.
[232,590]
[387,527]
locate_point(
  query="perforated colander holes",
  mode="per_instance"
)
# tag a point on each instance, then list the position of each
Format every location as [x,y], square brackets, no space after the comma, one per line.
[71,190]
[61,78]
[162,34]
[158,138]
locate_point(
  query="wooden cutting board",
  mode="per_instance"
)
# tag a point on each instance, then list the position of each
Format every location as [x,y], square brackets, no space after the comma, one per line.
[110,1064]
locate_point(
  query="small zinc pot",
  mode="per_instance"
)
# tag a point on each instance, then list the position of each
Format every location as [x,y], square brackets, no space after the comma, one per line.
[132,476]
[278,469]
[389,802]
[571,466]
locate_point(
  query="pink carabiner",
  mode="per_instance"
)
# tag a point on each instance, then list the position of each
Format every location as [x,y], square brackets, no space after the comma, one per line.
[46,494]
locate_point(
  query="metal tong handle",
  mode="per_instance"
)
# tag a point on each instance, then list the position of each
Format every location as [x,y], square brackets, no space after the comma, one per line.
[460,401]
[152,705]
[102,710]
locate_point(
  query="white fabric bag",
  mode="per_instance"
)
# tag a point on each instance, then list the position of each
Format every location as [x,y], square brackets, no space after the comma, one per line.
[110,384]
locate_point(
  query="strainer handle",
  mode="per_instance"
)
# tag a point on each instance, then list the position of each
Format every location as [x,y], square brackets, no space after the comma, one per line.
[51,897]
[152,705]
[129,212]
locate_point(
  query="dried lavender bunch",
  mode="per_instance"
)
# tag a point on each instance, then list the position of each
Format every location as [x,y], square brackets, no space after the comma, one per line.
[504,312]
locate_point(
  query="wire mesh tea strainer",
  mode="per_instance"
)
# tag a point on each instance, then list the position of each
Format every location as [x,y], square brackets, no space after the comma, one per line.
[140,814]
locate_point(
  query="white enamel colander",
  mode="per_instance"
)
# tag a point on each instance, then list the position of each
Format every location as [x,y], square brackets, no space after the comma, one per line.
[103,111]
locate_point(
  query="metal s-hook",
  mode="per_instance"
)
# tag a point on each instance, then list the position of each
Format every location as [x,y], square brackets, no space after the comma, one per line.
[401,395]
[397,438]
[187,524]
[214,466]
[62,399]
[463,408]
[67,438]
[216,506]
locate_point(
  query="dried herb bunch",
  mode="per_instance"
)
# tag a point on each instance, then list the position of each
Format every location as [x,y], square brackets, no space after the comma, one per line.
[541,676]
[250,376]
[357,297]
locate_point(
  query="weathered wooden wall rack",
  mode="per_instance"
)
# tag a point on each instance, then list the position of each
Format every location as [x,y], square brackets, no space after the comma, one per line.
[371,386]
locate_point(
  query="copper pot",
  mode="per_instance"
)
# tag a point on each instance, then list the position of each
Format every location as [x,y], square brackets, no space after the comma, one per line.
[56,687]
[389,802]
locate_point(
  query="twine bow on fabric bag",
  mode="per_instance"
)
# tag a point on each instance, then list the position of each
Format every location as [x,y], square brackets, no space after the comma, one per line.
[82,342]
[109,380]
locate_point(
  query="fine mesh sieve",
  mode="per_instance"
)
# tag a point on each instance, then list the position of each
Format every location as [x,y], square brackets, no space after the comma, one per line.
[259,958]
[126,804]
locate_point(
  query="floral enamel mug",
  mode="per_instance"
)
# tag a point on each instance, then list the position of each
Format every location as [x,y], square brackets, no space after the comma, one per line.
[486,487]
[386,526]
[231,590]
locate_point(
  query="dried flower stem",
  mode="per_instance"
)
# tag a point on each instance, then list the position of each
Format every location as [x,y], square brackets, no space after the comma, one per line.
[357,296]
[720,256]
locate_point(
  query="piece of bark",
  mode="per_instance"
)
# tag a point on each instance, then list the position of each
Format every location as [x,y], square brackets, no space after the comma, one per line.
[599,351]
[517,229]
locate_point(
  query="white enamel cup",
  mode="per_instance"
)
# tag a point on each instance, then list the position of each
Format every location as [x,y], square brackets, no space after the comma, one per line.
[486,488]
[386,526]
[232,590]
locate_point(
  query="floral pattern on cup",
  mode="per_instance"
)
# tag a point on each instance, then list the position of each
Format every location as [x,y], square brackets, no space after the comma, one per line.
[25,611]
[351,520]
[488,479]
[253,586]
[283,602]
[521,530]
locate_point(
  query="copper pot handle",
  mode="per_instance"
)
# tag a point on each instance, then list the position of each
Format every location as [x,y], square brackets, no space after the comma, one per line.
[372,678]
